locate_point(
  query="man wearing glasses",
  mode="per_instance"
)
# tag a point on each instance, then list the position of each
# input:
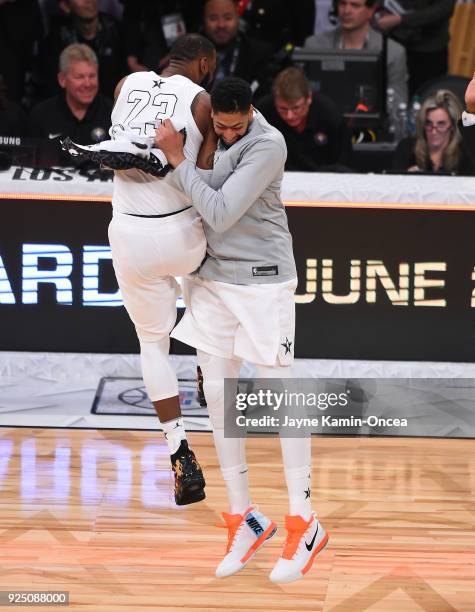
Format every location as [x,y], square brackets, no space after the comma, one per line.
[316,135]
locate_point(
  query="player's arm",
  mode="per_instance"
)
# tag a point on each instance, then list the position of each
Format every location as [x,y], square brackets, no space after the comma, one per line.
[201,111]
[467,122]
[470,96]
[259,165]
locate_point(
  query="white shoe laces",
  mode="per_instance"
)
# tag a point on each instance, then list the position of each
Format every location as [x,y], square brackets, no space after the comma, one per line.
[236,535]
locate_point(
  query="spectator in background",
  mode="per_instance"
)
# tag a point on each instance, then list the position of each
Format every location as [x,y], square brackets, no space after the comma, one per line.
[438,147]
[21,29]
[53,8]
[151,27]
[355,32]
[238,54]
[114,8]
[83,23]
[79,111]
[424,31]
[316,134]
[12,117]
[273,22]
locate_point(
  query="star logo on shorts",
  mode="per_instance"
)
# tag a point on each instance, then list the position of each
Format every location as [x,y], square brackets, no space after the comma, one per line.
[158,83]
[307,493]
[287,345]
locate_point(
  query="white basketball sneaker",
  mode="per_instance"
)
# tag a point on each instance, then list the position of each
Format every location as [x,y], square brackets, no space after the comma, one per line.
[246,534]
[123,140]
[305,540]
[126,150]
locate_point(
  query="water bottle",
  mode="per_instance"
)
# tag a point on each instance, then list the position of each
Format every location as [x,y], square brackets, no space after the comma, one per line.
[401,125]
[391,113]
[412,116]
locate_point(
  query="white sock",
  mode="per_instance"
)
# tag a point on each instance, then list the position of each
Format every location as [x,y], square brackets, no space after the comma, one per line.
[230,451]
[237,486]
[174,433]
[296,455]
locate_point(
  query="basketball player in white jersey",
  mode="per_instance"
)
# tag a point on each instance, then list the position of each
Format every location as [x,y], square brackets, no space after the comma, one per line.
[155,234]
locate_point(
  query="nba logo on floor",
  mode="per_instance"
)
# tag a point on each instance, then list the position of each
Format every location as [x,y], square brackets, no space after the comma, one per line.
[187,397]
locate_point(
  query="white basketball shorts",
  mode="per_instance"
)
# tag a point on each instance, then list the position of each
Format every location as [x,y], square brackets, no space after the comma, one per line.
[147,253]
[255,323]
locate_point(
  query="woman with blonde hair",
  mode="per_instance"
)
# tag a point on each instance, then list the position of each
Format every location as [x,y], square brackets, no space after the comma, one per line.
[437,147]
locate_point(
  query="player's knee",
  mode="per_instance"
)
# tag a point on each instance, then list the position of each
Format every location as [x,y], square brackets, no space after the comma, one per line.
[158,374]
[153,342]
[214,393]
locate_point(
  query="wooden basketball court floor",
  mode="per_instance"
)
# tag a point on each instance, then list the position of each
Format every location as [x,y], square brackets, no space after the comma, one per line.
[91,512]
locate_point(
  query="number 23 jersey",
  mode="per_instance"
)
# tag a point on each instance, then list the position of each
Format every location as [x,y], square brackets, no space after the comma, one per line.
[144,100]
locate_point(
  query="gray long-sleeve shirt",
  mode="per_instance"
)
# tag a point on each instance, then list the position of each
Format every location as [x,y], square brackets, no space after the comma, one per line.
[243,216]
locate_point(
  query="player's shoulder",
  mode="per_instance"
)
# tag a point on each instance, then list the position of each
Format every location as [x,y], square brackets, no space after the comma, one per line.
[264,143]
[201,102]
[136,80]
[266,133]
[141,77]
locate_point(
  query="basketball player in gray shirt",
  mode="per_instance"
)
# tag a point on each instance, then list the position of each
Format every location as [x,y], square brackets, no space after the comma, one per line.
[240,306]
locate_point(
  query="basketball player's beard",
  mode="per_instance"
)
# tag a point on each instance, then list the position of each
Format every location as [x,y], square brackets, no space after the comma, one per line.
[227,146]
[206,81]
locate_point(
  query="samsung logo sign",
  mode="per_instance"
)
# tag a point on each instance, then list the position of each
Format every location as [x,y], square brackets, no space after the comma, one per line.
[10,140]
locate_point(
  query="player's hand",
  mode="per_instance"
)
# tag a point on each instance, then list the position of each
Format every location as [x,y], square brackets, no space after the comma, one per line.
[170,142]
[470,96]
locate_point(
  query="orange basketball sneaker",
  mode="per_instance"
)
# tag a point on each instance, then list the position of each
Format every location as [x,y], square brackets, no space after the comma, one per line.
[246,534]
[305,540]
